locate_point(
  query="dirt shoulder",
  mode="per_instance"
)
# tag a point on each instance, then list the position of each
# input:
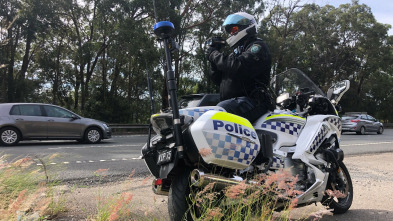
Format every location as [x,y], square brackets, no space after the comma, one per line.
[371,176]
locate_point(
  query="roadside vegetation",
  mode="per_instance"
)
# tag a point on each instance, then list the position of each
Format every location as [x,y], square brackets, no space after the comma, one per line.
[28,192]
[93,57]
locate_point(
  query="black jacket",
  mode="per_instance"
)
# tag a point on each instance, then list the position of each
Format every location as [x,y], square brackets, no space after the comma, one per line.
[239,73]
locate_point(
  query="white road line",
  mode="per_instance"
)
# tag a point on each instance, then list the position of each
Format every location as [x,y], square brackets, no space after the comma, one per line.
[92,161]
[94,146]
[365,144]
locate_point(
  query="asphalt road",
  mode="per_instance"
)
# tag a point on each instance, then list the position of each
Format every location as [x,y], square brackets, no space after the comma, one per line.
[75,162]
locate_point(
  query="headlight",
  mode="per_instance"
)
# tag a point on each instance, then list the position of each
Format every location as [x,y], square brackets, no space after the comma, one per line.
[105,125]
[163,123]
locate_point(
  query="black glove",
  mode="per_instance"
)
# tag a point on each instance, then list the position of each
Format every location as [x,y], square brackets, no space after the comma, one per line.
[213,44]
[209,50]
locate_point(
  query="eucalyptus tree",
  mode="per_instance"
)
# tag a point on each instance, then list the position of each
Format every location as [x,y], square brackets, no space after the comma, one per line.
[23,21]
[331,44]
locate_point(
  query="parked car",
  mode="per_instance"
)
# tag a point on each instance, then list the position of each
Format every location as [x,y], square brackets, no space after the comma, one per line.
[34,121]
[361,123]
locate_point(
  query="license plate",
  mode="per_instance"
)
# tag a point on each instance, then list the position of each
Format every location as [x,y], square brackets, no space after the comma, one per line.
[164,157]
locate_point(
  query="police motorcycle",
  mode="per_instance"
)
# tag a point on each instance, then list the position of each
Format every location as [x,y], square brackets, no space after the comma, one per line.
[198,146]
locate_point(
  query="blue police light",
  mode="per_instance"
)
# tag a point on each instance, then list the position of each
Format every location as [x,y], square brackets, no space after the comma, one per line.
[163,29]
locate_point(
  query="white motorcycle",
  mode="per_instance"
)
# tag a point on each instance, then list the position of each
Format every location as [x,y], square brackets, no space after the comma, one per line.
[198,146]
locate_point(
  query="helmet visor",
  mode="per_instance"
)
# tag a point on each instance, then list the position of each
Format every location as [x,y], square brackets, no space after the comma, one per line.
[236,19]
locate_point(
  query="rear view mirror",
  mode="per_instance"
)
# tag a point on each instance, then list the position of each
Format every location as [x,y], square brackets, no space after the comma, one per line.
[336,91]
[282,98]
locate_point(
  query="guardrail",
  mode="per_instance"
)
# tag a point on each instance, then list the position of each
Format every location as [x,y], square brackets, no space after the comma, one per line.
[129,128]
[143,128]
[388,125]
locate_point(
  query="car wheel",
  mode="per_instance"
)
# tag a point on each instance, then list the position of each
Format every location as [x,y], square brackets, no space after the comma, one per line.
[362,131]
[9,136]
[93,135]
[380,130]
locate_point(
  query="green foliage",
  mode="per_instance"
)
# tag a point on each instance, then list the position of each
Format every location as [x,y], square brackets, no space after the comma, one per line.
[331,44]
[93,56]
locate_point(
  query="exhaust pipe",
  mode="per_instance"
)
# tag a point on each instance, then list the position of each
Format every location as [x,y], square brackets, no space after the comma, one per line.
[200,179]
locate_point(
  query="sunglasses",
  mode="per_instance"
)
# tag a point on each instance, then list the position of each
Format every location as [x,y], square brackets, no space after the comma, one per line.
[234,30]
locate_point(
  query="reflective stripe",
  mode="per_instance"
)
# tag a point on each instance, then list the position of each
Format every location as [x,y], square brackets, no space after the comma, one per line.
[231,118]
[284,115]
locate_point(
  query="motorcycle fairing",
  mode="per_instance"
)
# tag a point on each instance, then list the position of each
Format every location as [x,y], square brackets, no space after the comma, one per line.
[314,133]
[285,125]
[336,124]
[225,139]
[318,139]
[196,112]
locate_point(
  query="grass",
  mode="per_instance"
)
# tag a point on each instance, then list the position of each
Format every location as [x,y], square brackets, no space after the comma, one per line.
[248,202]
[26,191]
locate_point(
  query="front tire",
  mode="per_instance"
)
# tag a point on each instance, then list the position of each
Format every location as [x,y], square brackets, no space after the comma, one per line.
[178,204]
[93,135]
[9,136]
[380,130]
[362,131]
[343,184]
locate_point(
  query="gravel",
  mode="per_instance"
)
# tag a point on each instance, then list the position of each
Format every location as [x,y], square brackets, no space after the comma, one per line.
[371,176]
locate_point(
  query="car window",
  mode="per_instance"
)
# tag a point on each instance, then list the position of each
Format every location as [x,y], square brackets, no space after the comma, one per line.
[349,117]
[371,118]
[189,102]
[26,110]
[364,118]
[52,111]
[15,110]
[210,100]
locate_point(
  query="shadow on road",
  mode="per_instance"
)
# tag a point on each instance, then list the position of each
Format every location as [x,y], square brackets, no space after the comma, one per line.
[360,214]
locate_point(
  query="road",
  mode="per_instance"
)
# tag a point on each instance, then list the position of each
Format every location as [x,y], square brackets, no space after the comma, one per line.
[72,161]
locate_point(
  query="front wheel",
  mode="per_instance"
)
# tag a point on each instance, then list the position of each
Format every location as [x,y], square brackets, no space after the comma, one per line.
[340,185]
[93,135]
[178,203]
[380,130]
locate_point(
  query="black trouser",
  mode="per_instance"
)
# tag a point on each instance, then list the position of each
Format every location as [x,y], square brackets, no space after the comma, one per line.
[246,107]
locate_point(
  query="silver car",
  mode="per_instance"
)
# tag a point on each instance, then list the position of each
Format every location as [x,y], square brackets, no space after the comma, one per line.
[361,123]
[34,121]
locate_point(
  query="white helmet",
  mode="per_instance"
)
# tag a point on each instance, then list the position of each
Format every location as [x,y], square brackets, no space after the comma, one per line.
[239,25]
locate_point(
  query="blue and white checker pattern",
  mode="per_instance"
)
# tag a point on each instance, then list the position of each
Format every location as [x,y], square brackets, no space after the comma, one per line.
[230,148]
[336,121]
[286,127]
[278,162]
[318,139]
[196,112]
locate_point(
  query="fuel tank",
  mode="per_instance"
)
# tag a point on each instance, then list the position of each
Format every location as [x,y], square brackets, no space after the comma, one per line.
[284,128]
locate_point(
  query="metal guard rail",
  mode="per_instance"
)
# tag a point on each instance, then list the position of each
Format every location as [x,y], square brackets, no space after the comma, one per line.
[128,126]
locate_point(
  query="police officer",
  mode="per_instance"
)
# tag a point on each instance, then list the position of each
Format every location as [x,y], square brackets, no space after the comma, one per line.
[243,75]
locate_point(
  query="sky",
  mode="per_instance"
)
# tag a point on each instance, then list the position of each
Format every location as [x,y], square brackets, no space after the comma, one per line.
[381,9]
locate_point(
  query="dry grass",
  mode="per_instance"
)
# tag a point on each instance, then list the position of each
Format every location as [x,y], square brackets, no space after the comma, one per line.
[248,202]
[26,192]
